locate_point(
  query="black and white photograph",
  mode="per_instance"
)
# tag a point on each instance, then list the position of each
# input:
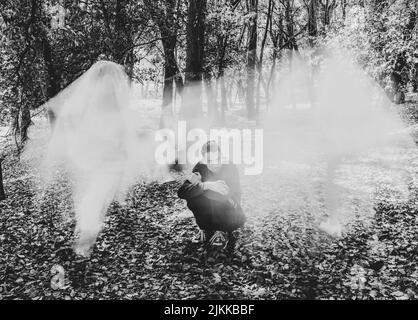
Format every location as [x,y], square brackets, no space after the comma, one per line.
[236,151]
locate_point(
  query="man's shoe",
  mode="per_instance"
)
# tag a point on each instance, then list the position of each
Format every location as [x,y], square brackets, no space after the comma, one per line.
[200,237]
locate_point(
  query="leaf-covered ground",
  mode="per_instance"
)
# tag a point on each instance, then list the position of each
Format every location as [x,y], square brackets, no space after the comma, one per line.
[145,252]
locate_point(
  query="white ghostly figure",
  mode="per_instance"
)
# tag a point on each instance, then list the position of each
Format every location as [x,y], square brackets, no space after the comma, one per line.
[327,117]
[352,115]
[95,137]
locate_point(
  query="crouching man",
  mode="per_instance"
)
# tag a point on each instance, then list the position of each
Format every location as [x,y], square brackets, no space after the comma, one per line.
[213,194]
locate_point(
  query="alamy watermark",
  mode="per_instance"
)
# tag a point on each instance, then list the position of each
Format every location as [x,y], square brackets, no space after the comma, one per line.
[239,146]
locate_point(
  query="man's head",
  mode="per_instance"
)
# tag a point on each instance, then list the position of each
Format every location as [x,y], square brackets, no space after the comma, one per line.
[211,153]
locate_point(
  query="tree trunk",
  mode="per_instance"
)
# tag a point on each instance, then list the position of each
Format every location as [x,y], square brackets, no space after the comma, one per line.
[192,103]
[170,70]
[312,21]
[222,47]
[344,9]
[399,74]
[164,17]
[415,79]
[211,98]
[251,58]
[2,193]
[25,122]
[292,45]
[277,40]
[53,86]
[328,7]
[313,34]
[224,101]
[123,48]
[195,37]
[260,63]
[14,113]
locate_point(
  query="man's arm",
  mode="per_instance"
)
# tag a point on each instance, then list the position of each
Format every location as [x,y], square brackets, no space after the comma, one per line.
[194,187]
[233,196]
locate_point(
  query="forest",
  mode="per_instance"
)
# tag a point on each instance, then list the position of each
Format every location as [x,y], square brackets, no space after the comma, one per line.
[232,46]
[226,62]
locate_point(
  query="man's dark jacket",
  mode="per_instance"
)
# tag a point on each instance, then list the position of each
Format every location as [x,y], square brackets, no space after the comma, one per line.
[214,212]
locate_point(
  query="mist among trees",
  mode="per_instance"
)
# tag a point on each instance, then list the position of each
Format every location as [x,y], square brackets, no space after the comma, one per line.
[229,50]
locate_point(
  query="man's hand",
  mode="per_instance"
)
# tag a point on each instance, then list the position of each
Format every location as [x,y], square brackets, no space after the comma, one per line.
[195,178]
[232,203]
[217,186]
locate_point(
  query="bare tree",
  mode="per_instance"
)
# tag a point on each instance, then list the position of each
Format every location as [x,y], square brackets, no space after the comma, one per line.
[328,7]
[195,39]
[344,4]
[277,39]
[312,6]
[400,71]
[251,57]
[163,13]
[2,193]
[25,122]
[260,62]
[52,77]
[222,43]
[123,48]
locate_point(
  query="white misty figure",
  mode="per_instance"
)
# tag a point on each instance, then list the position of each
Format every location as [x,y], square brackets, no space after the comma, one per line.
[95,139]
[353,116]
[337,115]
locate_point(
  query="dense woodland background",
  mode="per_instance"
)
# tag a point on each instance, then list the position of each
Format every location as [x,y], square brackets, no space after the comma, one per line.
[229,52]
[232,46]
